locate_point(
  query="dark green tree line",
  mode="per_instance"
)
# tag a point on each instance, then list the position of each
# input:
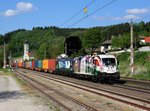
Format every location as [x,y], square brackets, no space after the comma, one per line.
[52,38]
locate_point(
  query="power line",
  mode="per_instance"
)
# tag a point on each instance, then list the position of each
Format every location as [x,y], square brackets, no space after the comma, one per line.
[92,13]
[76,14]
[143,18]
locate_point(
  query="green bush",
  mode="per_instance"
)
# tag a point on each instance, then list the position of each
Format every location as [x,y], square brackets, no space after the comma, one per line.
[141,61]
[144,75]
[123,56]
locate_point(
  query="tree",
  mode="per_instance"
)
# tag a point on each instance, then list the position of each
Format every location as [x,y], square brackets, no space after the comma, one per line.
[1,57]
[125,41]
[42,51]
[92,38]
[1,39]
[121,41]
[115,42]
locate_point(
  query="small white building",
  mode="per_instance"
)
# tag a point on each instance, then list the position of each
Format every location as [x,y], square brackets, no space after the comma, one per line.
[26,51]
[144,40]
[106,45]
[144,48]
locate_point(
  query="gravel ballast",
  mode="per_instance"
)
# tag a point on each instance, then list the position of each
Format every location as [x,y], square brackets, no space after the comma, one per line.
[14,97]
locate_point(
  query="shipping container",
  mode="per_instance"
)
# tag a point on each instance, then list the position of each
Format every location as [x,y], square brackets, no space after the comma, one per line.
[30,62]
[20,64]
[49,65]
[36,65]
[14,64]
[23,64]
[40,65]
[27,65]
[32,66]
[52,65]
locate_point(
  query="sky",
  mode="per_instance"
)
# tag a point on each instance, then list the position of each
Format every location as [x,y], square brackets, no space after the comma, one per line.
[26,14]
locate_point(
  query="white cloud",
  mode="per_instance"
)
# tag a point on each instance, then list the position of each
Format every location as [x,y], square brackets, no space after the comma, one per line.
[10,12]
[23,7]
[126,17]
[116,18]
[130,13]
[107,17]
[100,18]
[137,11]
[20,8]
[130,16]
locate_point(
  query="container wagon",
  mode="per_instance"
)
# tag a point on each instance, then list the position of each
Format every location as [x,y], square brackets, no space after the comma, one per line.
[40,65]
[49,65]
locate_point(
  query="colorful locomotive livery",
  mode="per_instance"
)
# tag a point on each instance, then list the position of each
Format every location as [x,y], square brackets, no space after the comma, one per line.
[97,67]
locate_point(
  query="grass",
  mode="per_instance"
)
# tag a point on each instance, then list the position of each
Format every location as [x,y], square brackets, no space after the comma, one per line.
[144,76]
[5,71]
[142,65]
[8,72]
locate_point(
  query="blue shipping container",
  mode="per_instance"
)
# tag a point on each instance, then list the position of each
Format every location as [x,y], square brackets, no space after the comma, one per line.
[36,64]
[40,64]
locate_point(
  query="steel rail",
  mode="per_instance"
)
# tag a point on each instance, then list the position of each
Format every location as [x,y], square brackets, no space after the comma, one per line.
[68,97]
[112,92]
[41,90]
[74,84]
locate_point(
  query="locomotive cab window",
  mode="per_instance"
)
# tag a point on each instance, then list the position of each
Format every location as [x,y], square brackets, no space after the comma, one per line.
[109,61]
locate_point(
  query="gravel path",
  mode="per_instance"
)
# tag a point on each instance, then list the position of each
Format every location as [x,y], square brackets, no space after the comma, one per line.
[15,98]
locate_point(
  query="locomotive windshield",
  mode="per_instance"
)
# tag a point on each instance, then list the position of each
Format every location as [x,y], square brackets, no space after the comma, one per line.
[109,61]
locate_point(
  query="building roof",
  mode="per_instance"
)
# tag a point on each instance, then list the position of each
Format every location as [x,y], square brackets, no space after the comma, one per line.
[147,39]
[107,42]
[141,37]
[106,56]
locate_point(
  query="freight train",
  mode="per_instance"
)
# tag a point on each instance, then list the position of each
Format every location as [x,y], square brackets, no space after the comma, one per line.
[96,67]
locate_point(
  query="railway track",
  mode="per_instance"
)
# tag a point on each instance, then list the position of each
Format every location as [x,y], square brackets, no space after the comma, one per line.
[59,97]
[144,89]
[134,101]
[134,82]
[129,87]
[133,88]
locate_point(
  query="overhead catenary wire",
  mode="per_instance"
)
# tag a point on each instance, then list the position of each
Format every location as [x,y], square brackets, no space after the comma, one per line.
[143,18]
[92,13]
[77,13]
[139,20]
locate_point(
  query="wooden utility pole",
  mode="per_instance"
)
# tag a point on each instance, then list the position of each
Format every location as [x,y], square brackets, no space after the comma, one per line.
[132,49]
[10,57]
[4,56]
